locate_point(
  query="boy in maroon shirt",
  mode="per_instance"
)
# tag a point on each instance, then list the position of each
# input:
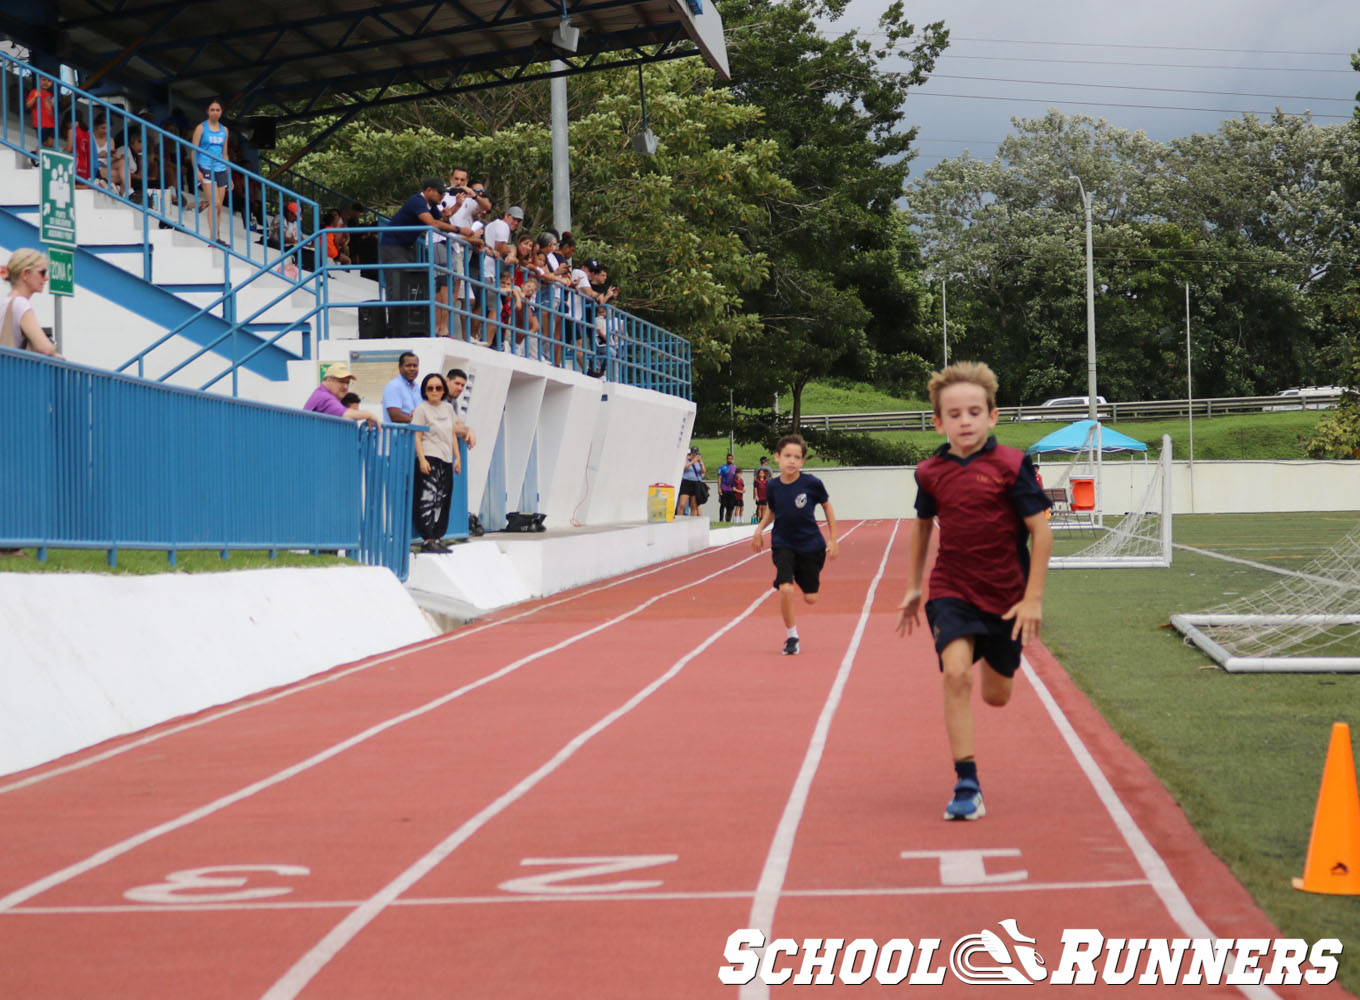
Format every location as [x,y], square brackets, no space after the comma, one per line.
[986,590]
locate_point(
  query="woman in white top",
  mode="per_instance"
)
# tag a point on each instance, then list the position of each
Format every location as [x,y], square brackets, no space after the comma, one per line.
[19,326]
[437,461]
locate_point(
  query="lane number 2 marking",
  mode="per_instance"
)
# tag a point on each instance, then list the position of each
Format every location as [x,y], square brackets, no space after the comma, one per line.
[588,867]
[214,884]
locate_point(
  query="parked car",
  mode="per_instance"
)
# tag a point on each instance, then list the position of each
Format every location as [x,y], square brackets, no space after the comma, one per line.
[1309,397]
[1069,403]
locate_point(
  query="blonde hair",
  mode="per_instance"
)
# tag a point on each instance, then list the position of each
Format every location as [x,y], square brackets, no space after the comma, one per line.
[22,260]
[971,372]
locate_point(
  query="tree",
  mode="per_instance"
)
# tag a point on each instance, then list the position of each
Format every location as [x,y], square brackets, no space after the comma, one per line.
[668,226]
[843,295]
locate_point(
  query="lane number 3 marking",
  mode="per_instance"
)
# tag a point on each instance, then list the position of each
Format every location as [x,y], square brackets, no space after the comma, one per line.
[214,884]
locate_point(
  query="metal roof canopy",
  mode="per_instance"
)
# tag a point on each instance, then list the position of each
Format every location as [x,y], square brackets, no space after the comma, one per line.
[309,59]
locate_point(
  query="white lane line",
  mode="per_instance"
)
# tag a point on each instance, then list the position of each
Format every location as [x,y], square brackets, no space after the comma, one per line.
[293,689]
[586,897]
[305,969]
[1158,875]
[109,853]
[776,868]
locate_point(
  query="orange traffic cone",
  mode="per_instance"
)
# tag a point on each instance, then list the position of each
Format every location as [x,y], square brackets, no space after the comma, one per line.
[1333,863]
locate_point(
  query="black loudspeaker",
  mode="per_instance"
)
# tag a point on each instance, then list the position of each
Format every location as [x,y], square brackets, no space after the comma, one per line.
[372,322]
[411,321]
[261,131]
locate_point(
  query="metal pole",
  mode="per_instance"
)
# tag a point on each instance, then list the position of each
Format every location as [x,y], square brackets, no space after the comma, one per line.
[1189,397]
[56,321]
[561,165]
[944,318]
[1090,308]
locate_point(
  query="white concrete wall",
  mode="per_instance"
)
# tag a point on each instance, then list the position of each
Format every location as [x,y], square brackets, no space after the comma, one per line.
[92,656]
[1219,487]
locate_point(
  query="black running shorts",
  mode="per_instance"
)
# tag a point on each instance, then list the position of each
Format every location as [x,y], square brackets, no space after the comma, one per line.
[951,618]
[802,568]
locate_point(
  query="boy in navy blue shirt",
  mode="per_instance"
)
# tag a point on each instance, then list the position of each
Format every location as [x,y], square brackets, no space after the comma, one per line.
[986,590]
[796,543]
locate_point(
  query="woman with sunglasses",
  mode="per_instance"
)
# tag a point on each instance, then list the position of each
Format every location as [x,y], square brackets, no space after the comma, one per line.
[437,462]
[19,327]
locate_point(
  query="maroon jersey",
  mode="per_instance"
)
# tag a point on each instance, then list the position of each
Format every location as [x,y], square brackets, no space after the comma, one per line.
[981,502]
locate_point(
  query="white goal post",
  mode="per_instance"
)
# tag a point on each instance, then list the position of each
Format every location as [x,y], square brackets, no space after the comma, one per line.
[1142,538]
[1308,622]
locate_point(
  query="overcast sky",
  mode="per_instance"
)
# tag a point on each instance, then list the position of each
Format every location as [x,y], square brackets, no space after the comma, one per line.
[1295,54]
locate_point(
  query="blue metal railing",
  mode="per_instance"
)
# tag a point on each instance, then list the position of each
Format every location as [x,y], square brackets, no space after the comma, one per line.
[101,461]
[153,170]
[478,302]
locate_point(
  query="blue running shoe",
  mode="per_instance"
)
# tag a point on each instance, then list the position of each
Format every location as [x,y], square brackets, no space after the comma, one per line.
[791,646]
[967,801]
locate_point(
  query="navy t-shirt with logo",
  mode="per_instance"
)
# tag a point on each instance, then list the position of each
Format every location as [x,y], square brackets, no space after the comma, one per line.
[794,506]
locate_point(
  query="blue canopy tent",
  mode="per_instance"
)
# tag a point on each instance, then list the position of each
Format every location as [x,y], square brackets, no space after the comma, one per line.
[1072,439]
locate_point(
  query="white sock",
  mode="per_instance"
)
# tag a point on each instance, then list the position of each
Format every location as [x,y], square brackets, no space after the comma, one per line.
[792,633]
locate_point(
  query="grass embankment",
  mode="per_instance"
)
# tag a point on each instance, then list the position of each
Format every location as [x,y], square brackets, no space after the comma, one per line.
[141,561]
[1243,436]
[1242,753]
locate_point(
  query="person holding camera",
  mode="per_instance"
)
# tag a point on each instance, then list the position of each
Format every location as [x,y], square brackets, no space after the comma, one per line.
[460,205]
[692,486]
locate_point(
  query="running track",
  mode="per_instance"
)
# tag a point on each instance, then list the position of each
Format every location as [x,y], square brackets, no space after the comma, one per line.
[582,798]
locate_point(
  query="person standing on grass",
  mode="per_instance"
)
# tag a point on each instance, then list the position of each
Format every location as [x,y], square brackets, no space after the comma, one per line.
[987,588]
[796,544]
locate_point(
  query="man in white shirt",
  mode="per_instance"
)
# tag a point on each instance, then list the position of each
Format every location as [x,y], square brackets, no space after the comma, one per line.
[459,202]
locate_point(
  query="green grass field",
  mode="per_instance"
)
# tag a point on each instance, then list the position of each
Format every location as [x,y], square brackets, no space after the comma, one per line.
[138,561]
[1241,753]
[1245,436]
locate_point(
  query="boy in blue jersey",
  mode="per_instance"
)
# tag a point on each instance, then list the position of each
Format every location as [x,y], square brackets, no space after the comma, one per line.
[986,590]
[796,543]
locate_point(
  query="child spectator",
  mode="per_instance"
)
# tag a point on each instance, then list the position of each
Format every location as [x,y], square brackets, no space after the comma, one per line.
[739,489]
[76,141]
[986,590]
[351,400]
[44,118]
[796,544]
[759,486]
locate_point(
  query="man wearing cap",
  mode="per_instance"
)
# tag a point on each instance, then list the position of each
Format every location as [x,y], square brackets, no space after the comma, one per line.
[397,247]
[496,236]
[325,398]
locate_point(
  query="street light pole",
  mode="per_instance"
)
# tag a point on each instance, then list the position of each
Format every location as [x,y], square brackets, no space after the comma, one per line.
[1090,308]
[944,319]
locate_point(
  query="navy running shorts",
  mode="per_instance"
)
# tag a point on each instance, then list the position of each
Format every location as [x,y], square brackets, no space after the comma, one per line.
[802,568]
[952,618]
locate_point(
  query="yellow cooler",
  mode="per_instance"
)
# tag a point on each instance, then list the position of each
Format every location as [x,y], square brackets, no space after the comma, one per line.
[660,502]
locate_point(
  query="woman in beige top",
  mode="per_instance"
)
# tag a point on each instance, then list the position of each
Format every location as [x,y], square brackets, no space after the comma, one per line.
[437,462]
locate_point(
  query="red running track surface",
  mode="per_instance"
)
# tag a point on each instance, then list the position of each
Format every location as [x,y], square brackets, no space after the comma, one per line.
[583,798]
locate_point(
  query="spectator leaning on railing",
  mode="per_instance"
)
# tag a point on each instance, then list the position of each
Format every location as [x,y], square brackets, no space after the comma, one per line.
[398,247]
[19,326]
[326,398]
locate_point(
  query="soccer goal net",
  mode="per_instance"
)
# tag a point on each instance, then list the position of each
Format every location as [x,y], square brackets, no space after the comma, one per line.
[1120,510]
[1308,622]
